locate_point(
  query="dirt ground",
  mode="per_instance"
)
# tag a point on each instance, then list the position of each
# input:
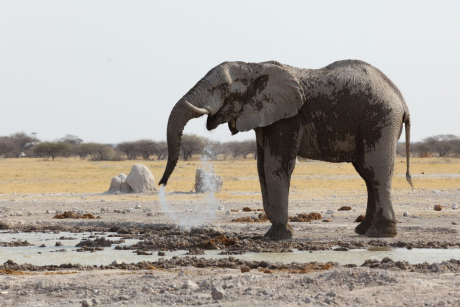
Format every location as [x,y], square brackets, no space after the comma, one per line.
[31,187]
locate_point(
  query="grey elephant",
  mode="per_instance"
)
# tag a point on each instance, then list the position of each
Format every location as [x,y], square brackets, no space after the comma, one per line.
[348,111]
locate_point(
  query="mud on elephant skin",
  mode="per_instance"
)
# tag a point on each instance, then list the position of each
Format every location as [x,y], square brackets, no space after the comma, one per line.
[348,111]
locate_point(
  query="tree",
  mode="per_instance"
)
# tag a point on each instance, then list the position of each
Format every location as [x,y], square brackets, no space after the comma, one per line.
[146,148]
[71,139]
[192,144]
[241,148]
[103,152]
[86,149]
[7,146]
[50,149]
[129,149]
[23,142]
[162,150]
[442,143]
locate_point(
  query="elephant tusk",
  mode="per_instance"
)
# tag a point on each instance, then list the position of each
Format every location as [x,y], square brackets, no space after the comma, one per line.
[197,110]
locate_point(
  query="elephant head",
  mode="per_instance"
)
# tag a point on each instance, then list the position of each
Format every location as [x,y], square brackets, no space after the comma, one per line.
[244,95]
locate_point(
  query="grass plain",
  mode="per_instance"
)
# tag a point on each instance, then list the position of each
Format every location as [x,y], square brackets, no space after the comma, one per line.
[310,178]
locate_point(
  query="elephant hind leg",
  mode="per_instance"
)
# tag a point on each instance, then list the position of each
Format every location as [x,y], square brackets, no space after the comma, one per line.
[376,166]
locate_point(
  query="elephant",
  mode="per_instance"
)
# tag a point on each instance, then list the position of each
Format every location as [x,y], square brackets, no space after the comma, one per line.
[348,111]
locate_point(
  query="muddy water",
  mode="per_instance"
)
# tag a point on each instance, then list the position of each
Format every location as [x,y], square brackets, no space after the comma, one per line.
[51,255]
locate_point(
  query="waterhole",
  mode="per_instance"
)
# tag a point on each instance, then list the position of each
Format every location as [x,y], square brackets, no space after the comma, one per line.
[51,254]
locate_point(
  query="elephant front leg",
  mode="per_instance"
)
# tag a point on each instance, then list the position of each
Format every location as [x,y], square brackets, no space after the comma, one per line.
[275,169]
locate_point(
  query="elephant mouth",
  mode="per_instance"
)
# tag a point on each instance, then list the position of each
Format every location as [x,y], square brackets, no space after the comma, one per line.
[212,122]
[232,127]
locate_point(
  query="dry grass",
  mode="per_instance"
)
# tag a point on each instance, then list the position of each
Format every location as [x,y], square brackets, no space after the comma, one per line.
[37,176]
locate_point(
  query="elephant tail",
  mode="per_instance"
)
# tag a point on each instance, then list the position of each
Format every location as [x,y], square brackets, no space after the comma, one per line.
[407,128]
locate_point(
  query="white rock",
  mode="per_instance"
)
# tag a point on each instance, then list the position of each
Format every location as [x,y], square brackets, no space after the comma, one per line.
[228,212]
[82,197]
[189,285]
[406,213]
[454,206]
[117,262]
[130,210]
[141,179]
[330,211]
[137,207]
[221,208]
[207,182]
[115,185]
[102,200]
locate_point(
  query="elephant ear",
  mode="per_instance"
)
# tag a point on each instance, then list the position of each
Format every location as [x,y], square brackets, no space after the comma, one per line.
[275,94]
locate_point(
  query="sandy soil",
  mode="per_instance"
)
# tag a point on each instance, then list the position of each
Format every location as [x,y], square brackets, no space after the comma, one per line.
[192,282]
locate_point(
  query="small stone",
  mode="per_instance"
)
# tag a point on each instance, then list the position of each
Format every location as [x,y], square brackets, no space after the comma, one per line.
[359,219]
[160,253]
[437,207]
[331,294]
[82,197]
[117,262]
[330,211]
[406,213]
[221,208]
[149,214]
[189,285]
[217,293]
[228,212]
[48,211]
[102,200]
[454,223]
[130,210]
[138,207]
[86,303]
[266,292]
[58,243]
[94,301]
[308,300]
[245,269]
[454,206]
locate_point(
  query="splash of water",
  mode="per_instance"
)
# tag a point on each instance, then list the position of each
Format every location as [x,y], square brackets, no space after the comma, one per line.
[203,211]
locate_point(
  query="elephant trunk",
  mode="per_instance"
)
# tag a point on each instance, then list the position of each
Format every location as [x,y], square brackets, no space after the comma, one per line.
[178,118]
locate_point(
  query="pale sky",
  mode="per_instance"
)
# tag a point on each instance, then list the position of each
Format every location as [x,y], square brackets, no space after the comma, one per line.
[111,71]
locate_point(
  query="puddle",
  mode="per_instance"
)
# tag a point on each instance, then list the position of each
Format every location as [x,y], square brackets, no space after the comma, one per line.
[48,256]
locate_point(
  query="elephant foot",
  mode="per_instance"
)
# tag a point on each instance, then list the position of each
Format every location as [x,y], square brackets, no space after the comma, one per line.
[280,232]
[382,228]
[362,228]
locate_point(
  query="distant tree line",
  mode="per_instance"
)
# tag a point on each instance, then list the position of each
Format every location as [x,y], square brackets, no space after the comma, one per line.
[442,145]
[22,145]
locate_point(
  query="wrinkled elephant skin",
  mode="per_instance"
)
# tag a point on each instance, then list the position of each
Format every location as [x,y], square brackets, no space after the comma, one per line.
[348,111]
